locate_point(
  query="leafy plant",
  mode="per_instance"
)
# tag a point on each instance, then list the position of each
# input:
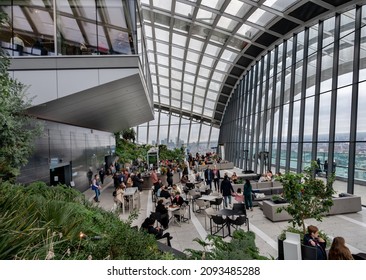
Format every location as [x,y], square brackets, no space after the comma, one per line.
[308,197]
[17,129]
[241,247]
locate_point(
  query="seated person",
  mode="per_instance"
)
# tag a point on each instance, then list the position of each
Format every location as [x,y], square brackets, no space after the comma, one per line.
[234,178]
[312,239]
[184,179]
[164,218]
[164,192]
[178,200]
[148,225]
[197,176]
[158,186]
[175,189]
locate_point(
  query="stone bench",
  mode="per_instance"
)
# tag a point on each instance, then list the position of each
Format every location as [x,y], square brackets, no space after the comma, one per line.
[341,205]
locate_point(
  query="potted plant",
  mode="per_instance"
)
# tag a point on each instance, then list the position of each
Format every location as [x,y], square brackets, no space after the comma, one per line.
[276,198]
[306,197]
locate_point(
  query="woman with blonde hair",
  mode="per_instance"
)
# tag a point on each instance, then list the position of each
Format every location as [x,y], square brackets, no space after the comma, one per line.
[339,250]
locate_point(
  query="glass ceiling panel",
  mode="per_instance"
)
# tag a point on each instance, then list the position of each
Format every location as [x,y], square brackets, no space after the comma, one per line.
[247,31]
[228,55]
[197,109]
[188,78]
[215,4]
[176,103]
[212,50]
[212,95]
[163,4]
[177,64]
[227,23]
[192,68]
[175,94]
[163,71]
[196,44]
[187,89]
[62,5]
[191,56]
[202,81]
[261,17]
[176,74]
[204,72]
[164,60]
[179,40]
[205,16]
[223,66]
[207,61]
[161,34]
[162,48]
[199,91]
[184,9]
[237,8]
[163,81]
[70,29]
[280,5]
[178,52]
[176,85]
[218,76]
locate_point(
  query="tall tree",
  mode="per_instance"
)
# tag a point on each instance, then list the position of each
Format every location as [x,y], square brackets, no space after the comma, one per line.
[17,130]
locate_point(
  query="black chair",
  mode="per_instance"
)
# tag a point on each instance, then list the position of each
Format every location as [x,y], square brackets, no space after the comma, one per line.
[308,252]
[359,256]
[239,209]
[220,224]
[217,202]
[239,221]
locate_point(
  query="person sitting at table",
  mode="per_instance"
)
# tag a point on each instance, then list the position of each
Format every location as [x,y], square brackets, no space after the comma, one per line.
[197,176]
[234,178]
[178,200]
[164,192]
[184,179]
[148,225]
[175,189]
[164,217]
[119,199]
[239,196]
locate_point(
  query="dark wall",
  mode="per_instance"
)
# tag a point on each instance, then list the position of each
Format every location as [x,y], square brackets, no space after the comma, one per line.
[63,145]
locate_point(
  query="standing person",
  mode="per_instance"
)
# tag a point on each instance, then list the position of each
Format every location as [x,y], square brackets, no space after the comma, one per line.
[312,238]
[155,180]
[209,176]
[101,175]
[226,190]
[216,178]
[169,177]
[318,169]
[326,168]
[248,195]
[119,199]
[339,250]
[89,175]
[96,187]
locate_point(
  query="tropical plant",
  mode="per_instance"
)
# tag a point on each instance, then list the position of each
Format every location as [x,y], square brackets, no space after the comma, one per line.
[241,247]
[129,134]
[307,196]
[17,130]
[41,222]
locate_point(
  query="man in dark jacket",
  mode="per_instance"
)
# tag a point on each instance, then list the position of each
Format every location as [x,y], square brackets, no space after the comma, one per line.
[226,190]
[209,176]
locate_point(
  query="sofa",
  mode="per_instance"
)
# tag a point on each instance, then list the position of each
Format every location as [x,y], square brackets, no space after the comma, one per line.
[341,205]
[267,189]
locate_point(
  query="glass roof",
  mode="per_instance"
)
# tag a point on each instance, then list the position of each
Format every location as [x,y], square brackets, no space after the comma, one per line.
[199,50]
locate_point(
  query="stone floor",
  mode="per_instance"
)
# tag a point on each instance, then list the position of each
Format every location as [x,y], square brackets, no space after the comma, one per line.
[350,226]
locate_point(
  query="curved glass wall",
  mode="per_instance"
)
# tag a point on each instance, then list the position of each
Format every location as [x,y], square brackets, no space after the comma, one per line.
[176,131]
[302,101]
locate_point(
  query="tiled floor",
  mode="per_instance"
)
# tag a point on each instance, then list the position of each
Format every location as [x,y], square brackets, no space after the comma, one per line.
[351,226]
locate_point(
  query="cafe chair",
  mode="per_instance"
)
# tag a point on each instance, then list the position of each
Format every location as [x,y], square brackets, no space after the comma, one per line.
[209,213]
[201,205]
[193,194]
[180,216]
[239,209]
[217,202]
[220,224]
[238,222]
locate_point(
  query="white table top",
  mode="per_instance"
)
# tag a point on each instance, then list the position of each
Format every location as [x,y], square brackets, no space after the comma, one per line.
[208,197]
[130,191]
